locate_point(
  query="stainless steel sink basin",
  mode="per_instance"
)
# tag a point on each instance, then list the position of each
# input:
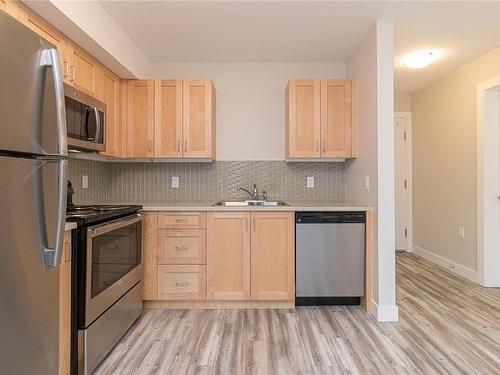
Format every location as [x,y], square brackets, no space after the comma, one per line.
[250,203]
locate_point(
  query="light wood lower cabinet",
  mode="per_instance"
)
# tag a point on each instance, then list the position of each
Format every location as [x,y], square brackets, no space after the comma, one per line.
[182,282]
[228,255]
[182,220]
[65,307]
[273,256]
[219,256]
[251,255]
[182,246]
[150,256]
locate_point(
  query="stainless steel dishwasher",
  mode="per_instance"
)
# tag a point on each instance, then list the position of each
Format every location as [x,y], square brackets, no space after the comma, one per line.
[329,258]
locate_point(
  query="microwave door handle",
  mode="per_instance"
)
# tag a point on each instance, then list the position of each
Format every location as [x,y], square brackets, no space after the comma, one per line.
[50,58]
[97,125]
[52,256]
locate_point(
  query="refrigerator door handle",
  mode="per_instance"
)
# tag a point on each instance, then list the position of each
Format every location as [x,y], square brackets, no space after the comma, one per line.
[52,256]
[50,57]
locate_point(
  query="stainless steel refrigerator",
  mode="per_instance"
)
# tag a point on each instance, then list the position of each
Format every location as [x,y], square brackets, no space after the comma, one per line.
[32,199]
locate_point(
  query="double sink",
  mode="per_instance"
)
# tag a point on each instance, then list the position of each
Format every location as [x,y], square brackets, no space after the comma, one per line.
[247,203]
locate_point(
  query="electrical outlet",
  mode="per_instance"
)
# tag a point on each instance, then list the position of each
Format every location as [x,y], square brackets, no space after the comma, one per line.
[175,182]
[366,183]
[85,182]
[461,232]
[310,182]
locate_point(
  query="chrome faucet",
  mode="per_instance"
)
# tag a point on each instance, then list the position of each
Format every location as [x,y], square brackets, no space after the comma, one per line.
[254,195]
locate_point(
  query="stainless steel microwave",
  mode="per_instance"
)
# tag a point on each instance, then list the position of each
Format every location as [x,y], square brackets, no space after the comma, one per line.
[85,120]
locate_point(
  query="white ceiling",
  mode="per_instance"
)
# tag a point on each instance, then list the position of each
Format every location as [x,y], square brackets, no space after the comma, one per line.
[275,31]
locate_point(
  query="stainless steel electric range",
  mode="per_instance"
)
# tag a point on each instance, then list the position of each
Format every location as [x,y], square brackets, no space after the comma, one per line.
[107,275]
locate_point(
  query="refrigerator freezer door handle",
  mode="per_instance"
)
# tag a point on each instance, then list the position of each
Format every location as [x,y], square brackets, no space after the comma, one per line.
[50,57]
[52,256]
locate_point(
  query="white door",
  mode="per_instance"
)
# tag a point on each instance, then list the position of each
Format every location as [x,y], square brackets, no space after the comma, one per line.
[401,180]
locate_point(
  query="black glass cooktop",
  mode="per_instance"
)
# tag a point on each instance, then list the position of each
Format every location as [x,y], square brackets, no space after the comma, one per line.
[93,213]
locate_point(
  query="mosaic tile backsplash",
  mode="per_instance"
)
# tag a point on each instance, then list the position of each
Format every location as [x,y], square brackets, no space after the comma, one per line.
[151,182]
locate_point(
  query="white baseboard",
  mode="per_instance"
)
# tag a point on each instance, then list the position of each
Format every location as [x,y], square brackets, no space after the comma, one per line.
[463,271]
[385,313]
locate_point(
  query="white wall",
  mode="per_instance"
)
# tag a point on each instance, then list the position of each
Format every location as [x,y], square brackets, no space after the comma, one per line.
[372,65]
[250,102]
[444,165]
[402,102]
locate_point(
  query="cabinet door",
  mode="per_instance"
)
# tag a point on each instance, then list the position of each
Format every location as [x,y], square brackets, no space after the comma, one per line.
[140,118]
[228,255]
[302,117]
[336,118]
[65,307]
[83,69]
[47,31]
[108,91]
[150,256]
[272,259]
[168,118]
[198,119]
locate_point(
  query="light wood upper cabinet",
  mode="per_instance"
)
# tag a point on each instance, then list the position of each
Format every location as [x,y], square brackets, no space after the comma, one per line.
[14,8]
[171,119]
[198,119]
[47,31]
[321,119]
[273,256]
[108,90]
[228,255]
[140,118]
[83,68]
[336,118]
[303,118]
[168,118]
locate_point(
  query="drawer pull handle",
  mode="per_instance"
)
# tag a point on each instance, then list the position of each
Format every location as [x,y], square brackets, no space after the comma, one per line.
[182,247]
[179,284]
[181,220]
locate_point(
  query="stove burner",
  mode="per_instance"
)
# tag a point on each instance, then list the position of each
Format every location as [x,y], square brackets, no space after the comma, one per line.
[108,208]
[79,208]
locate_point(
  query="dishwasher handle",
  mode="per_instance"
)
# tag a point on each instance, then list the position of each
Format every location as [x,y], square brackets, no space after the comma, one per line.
[330,217]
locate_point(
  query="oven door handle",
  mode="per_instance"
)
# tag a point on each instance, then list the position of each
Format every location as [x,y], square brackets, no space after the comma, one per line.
[113,225]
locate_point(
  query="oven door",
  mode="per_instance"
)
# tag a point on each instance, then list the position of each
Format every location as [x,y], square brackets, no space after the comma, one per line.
[113,263]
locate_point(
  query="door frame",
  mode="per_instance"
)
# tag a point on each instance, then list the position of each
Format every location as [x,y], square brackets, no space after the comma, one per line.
[487,171]
[409,187]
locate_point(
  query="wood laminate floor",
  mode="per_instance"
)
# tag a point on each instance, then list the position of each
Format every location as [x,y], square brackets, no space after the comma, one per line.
[447,325]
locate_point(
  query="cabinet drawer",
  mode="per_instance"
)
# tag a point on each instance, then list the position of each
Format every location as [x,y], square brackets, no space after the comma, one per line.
[182,246]
[177,220]
[182,282]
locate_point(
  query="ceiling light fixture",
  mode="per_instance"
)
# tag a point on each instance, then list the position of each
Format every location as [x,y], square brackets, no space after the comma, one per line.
[420,59]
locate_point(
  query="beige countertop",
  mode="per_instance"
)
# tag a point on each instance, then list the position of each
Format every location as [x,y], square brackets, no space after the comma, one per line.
[70,226]
[292,206]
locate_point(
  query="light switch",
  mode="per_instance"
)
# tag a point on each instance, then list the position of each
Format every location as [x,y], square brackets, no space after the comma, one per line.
[310,182]
[175,182]
[366,183]
[85,182]
[461,232]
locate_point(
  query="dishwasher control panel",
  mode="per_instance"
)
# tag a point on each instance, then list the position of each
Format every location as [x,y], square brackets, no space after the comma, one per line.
[330,217]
